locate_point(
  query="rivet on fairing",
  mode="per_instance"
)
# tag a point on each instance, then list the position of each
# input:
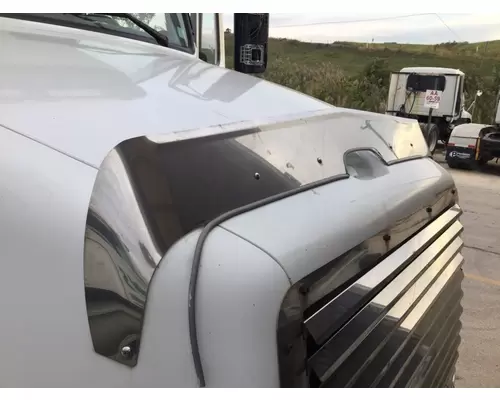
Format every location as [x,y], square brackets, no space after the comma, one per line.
[126,352]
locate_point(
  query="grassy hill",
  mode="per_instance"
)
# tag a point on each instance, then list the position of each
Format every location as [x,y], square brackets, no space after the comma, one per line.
[356,75]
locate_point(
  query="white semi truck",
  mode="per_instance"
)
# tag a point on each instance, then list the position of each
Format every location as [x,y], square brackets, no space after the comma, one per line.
[431,95]
[473,145]
[167,222]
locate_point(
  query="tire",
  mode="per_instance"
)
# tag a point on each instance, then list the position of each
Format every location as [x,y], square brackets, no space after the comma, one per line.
[431,137]
[452,164]
[482,162]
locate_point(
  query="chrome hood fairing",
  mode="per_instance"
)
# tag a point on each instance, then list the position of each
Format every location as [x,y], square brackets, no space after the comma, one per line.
[150,192]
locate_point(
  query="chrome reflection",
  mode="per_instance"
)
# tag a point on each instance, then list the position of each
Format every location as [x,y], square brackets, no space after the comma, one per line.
[120,256]
[146,197]
[337,129]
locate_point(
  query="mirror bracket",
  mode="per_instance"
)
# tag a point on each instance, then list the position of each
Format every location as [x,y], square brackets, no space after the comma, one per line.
[251,34]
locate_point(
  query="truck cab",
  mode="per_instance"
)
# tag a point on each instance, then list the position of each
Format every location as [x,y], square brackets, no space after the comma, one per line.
[407,98]
[208,31]
[473,145]
[168,222]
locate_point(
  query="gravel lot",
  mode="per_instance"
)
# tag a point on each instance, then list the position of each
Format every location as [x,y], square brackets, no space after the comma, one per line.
[479,193]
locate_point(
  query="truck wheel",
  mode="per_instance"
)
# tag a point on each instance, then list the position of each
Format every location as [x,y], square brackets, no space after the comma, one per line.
[452,164]
[482,162]
[431,137]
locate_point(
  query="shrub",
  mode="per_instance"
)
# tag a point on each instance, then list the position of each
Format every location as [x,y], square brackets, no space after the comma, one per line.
[368,90]
[314,70]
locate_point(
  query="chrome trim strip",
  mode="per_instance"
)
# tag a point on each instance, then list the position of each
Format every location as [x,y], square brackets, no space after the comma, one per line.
[391,303]
[330,317]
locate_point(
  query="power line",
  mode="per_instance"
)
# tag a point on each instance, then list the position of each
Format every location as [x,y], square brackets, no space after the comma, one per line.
[373,20]
[445,24]
[355,20]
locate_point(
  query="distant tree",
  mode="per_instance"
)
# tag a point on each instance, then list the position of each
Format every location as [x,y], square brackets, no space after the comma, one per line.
[377,72]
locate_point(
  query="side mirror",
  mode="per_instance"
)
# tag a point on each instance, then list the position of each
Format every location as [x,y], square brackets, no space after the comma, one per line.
[251,34]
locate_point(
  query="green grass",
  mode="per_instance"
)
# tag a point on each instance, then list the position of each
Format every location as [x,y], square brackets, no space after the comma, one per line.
[355,75]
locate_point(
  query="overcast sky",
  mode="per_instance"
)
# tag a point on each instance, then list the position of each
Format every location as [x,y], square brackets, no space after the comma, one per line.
[425,29]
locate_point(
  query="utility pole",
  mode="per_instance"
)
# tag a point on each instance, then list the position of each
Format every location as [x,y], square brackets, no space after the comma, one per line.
[484,54]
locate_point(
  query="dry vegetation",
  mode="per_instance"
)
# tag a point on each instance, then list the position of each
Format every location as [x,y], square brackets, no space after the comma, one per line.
[355,75]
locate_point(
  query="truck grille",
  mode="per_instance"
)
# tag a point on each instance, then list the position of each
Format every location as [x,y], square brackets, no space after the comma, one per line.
[398,325]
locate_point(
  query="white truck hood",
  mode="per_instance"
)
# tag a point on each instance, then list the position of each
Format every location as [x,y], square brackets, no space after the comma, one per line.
[82,93]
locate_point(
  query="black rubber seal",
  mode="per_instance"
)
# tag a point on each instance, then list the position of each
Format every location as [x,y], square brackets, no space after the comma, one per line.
[195,268]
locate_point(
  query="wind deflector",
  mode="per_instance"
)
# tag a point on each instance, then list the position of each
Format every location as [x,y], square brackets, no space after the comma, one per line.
[150,192]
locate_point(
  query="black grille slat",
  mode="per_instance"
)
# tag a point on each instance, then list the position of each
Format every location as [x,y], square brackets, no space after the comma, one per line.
[446,353]
[359,360]
[424,370]
[380,365]
[424,332]
[409,360]
[439,379]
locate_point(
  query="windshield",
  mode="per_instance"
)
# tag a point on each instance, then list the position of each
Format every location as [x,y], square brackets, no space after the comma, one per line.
[422,83]
[148,27]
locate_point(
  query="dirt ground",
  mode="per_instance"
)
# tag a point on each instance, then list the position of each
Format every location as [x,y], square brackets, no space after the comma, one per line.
[479,193]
